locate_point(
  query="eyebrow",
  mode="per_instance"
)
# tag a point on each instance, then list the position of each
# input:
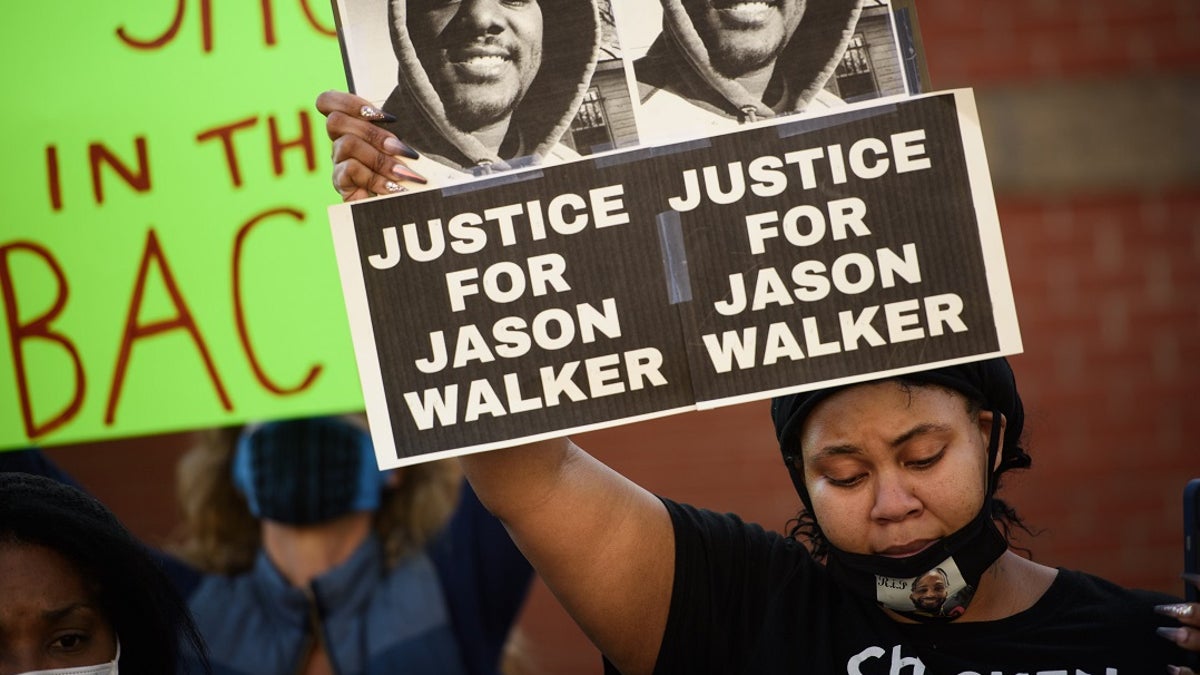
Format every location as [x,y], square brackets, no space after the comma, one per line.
[835,451]
[51,615]
[920,430]
[847,449]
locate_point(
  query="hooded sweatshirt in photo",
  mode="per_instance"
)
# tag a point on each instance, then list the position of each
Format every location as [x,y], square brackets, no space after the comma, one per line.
[570,47]
[682,94]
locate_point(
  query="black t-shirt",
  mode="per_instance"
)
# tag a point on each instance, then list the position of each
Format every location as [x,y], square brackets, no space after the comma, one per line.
[750,601]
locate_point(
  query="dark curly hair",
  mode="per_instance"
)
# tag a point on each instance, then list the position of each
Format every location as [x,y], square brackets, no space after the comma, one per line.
[221,536]
[149,617]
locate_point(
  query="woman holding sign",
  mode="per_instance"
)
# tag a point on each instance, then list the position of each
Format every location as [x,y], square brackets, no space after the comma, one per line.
[899,479]
[900,561]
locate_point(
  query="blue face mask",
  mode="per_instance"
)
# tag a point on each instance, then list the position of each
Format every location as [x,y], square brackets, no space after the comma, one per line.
[307,471]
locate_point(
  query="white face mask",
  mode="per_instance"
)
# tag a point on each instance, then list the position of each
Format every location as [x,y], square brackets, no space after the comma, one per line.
[109,668]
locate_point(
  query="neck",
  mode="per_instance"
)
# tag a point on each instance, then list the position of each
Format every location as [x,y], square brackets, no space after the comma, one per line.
[303,552]
[492,135]
[755,82]
[1010,586]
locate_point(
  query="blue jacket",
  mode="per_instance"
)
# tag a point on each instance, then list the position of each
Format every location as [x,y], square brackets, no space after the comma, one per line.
[371,619]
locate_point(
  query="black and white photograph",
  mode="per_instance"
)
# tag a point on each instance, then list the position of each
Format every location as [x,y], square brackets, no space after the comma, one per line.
[706,66]
[477,87]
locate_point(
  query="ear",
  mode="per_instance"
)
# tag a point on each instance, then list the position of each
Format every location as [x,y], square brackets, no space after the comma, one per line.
[986,420]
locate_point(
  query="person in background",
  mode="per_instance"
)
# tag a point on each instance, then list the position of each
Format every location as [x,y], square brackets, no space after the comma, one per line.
[299,556]
[79,595]
[314,561]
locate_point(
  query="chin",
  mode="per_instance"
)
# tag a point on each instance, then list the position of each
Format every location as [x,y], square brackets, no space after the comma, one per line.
[473,110]
[745,51]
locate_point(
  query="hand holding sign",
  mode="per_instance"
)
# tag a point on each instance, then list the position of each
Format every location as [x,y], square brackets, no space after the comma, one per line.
[367,160]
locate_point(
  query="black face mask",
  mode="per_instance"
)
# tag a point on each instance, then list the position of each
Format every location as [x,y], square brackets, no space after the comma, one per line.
[938,583]
[948,572]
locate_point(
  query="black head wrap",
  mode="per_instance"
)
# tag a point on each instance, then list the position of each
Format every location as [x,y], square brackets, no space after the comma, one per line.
[134,594]
[990,383]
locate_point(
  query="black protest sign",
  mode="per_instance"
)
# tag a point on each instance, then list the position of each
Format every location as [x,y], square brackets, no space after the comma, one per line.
[821,252]
[644,283]
[503,307]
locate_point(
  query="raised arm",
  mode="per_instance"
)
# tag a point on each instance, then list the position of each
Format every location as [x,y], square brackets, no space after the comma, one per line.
[367,160]
[603,545]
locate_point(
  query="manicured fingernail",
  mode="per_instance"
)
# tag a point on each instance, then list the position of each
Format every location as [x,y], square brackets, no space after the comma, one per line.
[408,174]
[395,146]
[1173,670]
[1175,635]
[394,187]
[1178,610]
[370,112]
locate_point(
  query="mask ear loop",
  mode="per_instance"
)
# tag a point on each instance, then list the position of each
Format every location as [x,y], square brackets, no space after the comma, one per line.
[243,476]
[372,481]
[993,451]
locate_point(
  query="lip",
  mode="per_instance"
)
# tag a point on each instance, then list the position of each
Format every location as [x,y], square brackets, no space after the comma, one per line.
[746,15]
[481,64]
[910,549]
[730,4]
[473,52]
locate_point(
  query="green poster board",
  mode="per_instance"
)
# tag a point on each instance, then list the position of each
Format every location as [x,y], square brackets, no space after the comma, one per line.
[165,255]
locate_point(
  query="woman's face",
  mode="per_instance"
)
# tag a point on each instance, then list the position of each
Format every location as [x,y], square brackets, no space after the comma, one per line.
[49,617]
[891,469]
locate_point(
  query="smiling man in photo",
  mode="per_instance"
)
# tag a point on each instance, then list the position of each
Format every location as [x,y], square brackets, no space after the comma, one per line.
[929,591]
[721,63]
[489,84]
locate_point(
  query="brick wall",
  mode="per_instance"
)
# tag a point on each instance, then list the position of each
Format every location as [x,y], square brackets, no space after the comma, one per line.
[1107,289]
[1021,41]
[1089,110]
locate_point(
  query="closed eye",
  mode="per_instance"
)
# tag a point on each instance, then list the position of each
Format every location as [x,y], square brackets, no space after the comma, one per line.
[927,462]
[846,482]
